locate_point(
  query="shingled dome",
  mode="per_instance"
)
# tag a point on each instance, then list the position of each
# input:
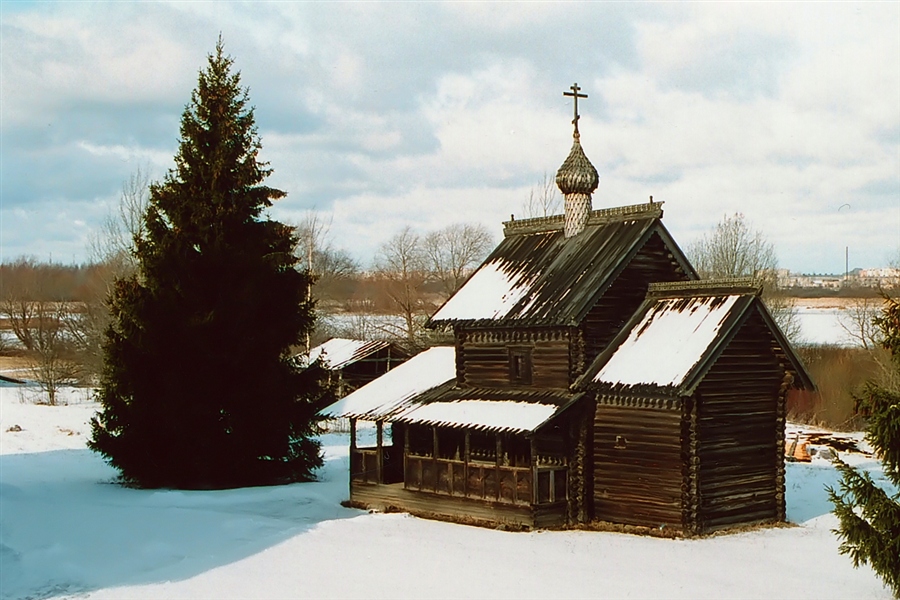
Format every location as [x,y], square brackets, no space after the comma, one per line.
[577,175]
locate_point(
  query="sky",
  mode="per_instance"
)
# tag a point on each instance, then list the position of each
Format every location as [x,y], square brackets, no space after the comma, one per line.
[378,116]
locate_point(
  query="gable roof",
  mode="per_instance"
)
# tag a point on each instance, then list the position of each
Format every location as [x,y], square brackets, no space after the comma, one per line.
[337,353]
[509,410]
[537,276]
[673,340]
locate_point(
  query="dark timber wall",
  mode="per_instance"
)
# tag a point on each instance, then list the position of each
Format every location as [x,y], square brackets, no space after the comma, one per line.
[483,360]
[653,263]
[740,433]
[638,466]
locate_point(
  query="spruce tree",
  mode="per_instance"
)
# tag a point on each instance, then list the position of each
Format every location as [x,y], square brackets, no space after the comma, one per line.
[199,389]
[869,515]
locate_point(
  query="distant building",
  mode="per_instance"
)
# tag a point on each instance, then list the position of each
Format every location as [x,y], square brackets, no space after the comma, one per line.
[885,277]
[351,364]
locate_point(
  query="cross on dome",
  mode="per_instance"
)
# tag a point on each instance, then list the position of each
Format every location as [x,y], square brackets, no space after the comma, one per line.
[575,96]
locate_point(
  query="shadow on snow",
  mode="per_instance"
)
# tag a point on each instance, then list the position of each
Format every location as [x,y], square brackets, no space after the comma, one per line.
[66,527]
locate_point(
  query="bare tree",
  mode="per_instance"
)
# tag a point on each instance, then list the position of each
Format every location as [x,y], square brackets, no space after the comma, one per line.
[53,362]
[452,252]
[331,267]
[735,249]
[20,288]
[544,199]
[402,264]
[857,319]
[20,313]
[113,244]
[38,320]
[112,250]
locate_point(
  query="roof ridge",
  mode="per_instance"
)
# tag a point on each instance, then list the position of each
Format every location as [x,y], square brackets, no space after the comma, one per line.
[706,287]
[647,210]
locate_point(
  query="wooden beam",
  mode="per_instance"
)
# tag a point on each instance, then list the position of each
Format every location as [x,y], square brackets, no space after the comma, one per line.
[405,454]
[497,485]
[466,466]
[379,456]
[434,458]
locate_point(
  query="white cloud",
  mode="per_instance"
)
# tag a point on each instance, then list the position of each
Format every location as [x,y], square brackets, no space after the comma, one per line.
[422,114]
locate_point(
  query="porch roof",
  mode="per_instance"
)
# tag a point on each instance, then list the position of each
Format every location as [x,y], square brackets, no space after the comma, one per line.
[488,415]
[423,391]
[395,391]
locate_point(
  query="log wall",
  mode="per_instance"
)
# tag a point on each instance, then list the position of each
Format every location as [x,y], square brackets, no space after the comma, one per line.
[740,434]
[637,463]
[653,263]
[483,359]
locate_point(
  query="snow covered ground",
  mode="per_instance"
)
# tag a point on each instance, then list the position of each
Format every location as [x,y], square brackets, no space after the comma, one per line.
[823,326]
[68,531]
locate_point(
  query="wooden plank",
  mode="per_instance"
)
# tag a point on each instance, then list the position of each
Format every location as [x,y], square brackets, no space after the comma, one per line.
[394,497]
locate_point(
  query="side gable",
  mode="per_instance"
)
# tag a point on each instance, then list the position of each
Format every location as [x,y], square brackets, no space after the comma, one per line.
[677,335]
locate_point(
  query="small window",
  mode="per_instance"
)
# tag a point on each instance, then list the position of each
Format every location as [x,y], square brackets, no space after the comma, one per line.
[520,366]
[551,485]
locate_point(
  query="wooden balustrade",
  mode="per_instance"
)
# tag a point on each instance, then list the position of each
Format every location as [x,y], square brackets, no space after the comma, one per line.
[366,468]
[483,481]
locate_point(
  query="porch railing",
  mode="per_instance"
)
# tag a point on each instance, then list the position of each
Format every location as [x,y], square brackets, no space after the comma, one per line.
[365,466]
[483,481]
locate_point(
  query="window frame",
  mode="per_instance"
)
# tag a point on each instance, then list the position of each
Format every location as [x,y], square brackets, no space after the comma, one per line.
[521,365]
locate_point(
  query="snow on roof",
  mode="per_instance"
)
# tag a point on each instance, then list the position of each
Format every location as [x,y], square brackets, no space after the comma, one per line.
[391,392]
[668,342]
[491,293]
[480,414]
[340,352]
[538,276]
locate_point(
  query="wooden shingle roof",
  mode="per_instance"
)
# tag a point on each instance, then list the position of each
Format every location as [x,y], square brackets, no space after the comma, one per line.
[537,276]
[676,336]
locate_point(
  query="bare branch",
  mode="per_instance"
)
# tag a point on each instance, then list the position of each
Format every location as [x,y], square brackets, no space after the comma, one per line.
[735,249]
[544,199]
[454,251]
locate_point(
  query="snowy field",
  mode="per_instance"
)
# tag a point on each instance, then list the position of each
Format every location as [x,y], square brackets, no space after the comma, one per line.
[68,531]
[823,326]
[817,325]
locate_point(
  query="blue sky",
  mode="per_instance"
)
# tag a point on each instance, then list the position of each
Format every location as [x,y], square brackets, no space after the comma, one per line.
[382,115]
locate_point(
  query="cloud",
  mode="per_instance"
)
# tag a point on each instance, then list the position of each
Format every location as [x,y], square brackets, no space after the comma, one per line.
[388,114]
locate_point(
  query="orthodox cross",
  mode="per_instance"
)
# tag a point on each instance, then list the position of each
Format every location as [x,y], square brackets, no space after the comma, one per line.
[575,95]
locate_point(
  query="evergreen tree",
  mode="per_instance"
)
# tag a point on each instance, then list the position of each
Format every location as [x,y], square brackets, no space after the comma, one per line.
[870,516]
[199,389]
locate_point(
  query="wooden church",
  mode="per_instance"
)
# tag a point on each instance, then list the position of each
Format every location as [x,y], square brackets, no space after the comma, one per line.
[594,378]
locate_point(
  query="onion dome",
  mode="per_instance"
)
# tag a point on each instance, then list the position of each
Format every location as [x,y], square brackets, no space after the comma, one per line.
[577,175]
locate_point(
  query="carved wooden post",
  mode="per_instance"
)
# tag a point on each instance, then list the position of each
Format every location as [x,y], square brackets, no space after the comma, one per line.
[497,468]
[466,467]
[352,450]
[379,455]
[406,455]
[434,459]
[534,484]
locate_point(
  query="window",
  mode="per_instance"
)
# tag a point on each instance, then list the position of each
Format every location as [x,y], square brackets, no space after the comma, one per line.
[520,365]
[551,485]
